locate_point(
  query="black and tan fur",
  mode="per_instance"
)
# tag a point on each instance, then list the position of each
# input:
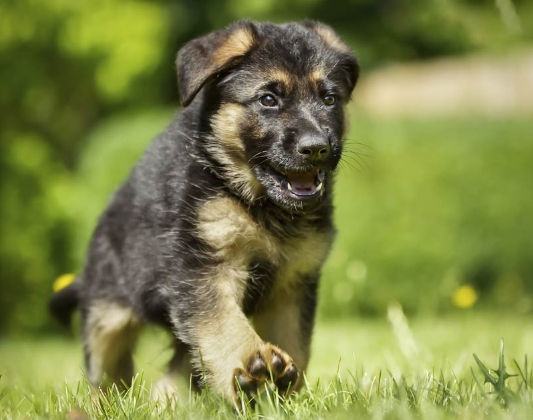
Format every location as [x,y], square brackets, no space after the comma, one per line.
[221,230]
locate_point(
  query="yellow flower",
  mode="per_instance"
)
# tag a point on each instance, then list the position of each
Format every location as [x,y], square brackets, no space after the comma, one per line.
[63,281]
[465,297]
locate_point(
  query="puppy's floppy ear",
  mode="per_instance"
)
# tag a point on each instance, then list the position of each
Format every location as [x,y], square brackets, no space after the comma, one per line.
[203,58]
[347,60]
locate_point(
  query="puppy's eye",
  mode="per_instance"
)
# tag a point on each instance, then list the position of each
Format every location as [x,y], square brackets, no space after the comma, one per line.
[329,99]
[268,101]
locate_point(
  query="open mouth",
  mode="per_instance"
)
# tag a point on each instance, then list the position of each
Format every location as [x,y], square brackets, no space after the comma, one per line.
[303,185]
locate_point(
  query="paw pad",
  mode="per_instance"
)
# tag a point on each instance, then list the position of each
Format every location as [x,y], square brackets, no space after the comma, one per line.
[270,364]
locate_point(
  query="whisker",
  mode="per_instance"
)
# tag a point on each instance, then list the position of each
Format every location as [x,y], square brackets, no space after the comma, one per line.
[262,153]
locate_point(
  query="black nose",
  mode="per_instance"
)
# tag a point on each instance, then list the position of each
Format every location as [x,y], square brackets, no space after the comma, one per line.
[314,147]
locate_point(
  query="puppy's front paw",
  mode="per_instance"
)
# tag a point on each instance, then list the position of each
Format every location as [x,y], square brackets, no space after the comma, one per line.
[269,364]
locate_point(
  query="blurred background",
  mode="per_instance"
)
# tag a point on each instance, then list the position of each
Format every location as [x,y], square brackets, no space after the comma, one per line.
[434,198]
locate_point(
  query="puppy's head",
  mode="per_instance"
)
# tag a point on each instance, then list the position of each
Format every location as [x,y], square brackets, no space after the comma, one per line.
[275,97]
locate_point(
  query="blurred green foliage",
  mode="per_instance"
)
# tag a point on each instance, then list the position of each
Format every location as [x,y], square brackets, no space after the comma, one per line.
[424,207]
[67,68]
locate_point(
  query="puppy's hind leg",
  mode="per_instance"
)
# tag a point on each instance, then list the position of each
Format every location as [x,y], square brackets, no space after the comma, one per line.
[175,383]
[110,332]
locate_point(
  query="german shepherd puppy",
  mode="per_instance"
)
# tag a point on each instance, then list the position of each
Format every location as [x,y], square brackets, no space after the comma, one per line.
[220,232]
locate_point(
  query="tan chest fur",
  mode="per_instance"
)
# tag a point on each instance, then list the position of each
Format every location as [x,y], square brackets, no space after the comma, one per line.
[238,240]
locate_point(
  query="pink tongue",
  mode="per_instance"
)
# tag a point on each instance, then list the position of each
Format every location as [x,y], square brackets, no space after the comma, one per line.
[302,182]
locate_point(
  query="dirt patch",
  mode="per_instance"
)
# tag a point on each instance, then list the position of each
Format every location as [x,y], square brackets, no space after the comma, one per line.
[486,85]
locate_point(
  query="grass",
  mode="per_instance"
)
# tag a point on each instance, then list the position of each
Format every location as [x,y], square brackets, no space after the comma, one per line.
[369,369]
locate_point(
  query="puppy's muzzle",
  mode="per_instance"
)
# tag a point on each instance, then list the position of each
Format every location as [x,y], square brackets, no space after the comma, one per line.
[314,149]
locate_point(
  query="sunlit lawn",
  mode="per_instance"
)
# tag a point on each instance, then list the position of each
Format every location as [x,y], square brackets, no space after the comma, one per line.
[410,228]
[373,368]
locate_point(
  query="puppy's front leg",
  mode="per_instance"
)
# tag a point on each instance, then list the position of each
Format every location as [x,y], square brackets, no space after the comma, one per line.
[229,352]
[287,319]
